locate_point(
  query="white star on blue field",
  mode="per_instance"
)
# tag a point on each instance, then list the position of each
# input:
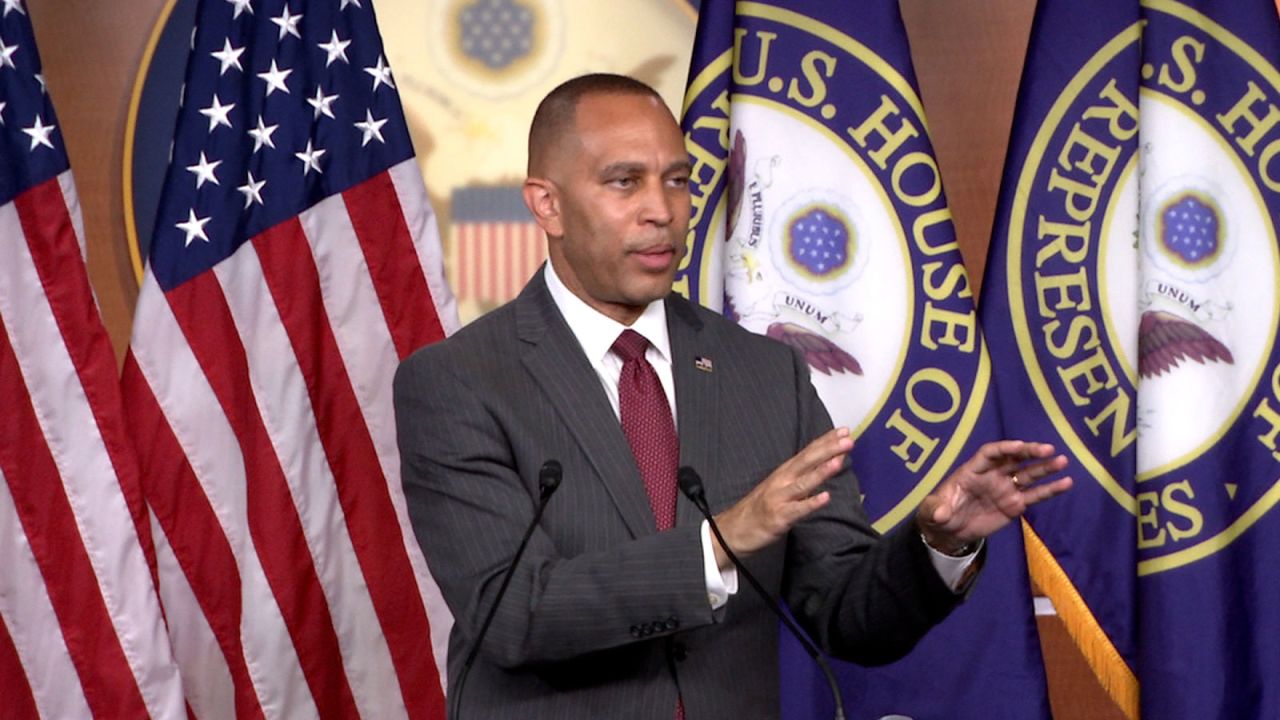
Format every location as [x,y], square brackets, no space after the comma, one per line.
[1190,229]
[819,241]
[496,32]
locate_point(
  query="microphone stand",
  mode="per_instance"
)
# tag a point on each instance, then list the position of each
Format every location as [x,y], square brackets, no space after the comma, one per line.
[691,485]
[549,477]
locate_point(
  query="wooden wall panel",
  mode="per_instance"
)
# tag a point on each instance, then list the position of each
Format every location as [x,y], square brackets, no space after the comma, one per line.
[91,50]
[968,59]
[1074,693]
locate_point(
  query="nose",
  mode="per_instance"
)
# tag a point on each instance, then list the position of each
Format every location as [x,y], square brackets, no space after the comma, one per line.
[657,204]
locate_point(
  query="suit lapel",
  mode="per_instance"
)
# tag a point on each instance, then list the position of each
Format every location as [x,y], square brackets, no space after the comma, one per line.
[693,367]
[554,358]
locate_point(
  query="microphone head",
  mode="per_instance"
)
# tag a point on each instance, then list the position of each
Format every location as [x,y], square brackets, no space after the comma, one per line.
[550,475]
[690,483]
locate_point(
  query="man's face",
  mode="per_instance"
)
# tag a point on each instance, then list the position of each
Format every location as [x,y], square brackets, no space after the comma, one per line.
[621,185]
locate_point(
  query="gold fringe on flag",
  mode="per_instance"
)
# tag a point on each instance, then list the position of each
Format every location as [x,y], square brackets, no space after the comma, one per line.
[1113,673]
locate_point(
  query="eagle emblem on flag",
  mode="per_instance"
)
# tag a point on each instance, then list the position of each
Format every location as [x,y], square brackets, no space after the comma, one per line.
[1166,340]
[822,355]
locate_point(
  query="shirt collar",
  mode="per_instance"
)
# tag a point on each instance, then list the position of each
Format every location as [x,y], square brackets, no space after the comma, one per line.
[596,332]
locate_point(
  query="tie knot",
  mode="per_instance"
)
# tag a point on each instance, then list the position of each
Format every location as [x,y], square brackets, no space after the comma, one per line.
[630,345]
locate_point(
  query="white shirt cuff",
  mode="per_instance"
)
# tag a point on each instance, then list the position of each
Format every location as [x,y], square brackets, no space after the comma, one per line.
[721,584]
[951,568]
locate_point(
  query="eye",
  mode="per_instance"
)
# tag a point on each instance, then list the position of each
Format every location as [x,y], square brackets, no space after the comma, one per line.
[678,181]
[623,183]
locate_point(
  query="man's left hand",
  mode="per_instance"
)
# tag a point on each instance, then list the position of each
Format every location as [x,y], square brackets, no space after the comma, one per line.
[995,487]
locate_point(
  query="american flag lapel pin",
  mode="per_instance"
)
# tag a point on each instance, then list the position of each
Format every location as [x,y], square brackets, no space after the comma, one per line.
[703,363]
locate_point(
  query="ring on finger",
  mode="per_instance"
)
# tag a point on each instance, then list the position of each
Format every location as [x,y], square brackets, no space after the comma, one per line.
[1017,481]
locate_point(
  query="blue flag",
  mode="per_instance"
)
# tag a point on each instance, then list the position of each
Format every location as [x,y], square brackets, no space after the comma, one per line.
[819,220]
[1133,285]
[1068,197]
[1208,370]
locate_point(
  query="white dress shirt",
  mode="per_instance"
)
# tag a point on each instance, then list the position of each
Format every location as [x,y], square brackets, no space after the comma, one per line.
[596,334]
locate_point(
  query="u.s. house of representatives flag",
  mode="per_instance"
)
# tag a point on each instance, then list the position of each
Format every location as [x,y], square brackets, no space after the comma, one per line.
[294,262]
[1068,201]
[819,219]
[1134,274]
[1207,293]
[81,631]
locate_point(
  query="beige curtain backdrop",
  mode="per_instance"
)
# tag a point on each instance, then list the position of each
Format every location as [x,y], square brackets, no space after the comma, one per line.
[968,56]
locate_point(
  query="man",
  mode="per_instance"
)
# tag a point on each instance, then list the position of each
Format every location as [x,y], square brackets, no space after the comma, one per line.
[625,606]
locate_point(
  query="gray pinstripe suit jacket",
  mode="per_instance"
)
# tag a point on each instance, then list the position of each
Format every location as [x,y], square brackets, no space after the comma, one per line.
[606,617]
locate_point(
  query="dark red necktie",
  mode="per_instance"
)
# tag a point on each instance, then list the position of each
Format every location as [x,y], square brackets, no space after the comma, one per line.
[647,423]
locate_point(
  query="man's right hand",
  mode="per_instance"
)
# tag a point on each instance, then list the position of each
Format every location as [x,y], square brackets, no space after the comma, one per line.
[781,500]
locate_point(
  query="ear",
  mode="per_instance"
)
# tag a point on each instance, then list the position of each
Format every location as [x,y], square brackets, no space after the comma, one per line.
[542,198]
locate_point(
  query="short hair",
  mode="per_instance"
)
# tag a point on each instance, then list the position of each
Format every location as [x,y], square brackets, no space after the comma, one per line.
[555,114]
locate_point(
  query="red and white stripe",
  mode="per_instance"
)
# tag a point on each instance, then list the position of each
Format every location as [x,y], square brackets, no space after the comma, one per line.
[493,260]
[262,392]
[81,629]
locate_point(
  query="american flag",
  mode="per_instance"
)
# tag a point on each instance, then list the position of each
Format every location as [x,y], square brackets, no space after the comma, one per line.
[81,631]
[295,261]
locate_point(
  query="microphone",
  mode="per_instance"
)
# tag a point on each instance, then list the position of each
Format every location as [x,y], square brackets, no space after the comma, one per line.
[549,477]
[691,485]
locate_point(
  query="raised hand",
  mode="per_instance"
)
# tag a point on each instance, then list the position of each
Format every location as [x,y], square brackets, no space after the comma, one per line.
[790,493]
[995,487]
